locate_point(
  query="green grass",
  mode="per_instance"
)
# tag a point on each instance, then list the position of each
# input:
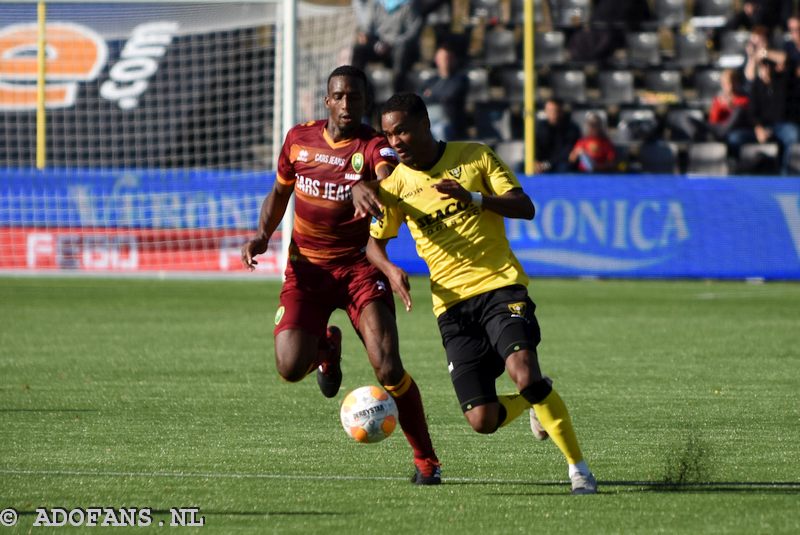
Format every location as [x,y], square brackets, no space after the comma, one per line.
[144,393]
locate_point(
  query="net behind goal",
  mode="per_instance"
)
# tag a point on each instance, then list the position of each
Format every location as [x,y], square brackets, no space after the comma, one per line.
[162,124]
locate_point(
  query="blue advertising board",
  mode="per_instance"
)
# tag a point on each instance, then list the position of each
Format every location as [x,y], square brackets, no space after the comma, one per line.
[653,226]
[594,225]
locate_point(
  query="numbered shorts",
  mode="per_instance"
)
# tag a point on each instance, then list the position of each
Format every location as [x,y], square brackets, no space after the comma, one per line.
[311,293]
[480,333]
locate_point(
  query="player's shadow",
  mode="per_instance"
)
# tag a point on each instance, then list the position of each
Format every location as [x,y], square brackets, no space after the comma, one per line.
[622,487]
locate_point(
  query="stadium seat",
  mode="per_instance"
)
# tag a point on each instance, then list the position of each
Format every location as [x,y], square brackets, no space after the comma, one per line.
[636,125]
[512,153]
[571,13]
[676,120]
[550,49]
[513,82]
[492,121]
[706,82]
[659,157]
[670,13]
[691,49]
[732,54]
[518,11]
[794,159]
[714,8]
[758,159]
[616,87]
[569,85]
[733,42]
[418,77]
[664,82]
[499,47]
[485,9]
[643,49]
[382,80]
[708,158]
[478,85]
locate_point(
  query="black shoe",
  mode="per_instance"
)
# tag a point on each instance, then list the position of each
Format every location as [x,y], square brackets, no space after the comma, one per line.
[430,474]
[329,373]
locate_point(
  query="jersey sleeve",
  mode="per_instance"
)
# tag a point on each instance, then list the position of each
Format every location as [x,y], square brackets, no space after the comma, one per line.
[499,175]
[286,160]
[387,227]
[381,154]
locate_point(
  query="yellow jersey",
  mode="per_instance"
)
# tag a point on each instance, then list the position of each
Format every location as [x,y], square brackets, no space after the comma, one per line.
[464,246]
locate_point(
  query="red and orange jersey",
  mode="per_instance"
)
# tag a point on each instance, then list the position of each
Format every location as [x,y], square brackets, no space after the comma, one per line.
[323,172]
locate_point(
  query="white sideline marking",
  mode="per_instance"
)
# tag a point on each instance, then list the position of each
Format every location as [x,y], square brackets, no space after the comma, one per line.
[235,475]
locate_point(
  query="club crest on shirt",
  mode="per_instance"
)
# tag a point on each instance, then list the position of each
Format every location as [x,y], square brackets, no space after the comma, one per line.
[358,162]
[455,172]
[517,309]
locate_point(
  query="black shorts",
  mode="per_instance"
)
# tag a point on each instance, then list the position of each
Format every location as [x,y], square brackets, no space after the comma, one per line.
[480,333]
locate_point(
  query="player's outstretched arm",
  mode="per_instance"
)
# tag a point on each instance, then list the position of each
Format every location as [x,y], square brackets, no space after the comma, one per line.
[514,204]
[272,210]
[365,199]
[376,254]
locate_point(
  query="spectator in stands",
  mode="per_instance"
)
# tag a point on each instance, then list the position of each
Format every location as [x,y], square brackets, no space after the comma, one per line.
[768,107]
[767,13]
[609,21]
[728,117]
[729,109]
[792,49]
[757,50]
[594,152]
[556,135]
[445,94]
[388,31]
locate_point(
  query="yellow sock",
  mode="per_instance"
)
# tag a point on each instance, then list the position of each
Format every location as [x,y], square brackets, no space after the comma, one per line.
[554,417]
[514,404]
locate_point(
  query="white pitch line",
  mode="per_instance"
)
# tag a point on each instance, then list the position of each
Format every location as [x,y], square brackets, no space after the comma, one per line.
[235,475]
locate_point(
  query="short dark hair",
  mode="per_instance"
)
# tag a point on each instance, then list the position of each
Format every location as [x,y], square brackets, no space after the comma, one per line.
[410,103]
[351,72]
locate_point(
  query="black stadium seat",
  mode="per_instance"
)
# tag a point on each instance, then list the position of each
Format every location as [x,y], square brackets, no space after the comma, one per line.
[709,158]
[550,48]
[659,157]
[691,49]
[758,159]
[512,153]
[500,47]
[478,85]
[616,87]
[670,13]
[706,82]
[571,13]
[513,82]
[714,8]
[668,82]
[794,159]
[642,49]
[569,85]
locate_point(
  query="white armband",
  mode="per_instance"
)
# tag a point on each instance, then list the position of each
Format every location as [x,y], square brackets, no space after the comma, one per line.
[477,198]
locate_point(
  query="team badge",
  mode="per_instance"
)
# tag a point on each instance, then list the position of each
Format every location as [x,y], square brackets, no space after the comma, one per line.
[358,162]
[517,309]
[455,172]
[279,314]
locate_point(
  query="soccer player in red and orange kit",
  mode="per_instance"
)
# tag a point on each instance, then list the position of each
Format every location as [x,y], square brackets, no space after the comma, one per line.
[328,267]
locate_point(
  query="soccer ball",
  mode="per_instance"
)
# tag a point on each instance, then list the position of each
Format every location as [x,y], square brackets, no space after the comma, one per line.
[369,414]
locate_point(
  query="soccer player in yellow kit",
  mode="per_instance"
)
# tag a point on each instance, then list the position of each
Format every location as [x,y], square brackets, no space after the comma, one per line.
[454,198]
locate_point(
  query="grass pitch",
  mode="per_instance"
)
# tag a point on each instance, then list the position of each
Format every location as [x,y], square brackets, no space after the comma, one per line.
[160,394]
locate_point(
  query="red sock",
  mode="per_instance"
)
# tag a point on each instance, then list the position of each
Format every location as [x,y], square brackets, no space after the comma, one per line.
[412,417]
